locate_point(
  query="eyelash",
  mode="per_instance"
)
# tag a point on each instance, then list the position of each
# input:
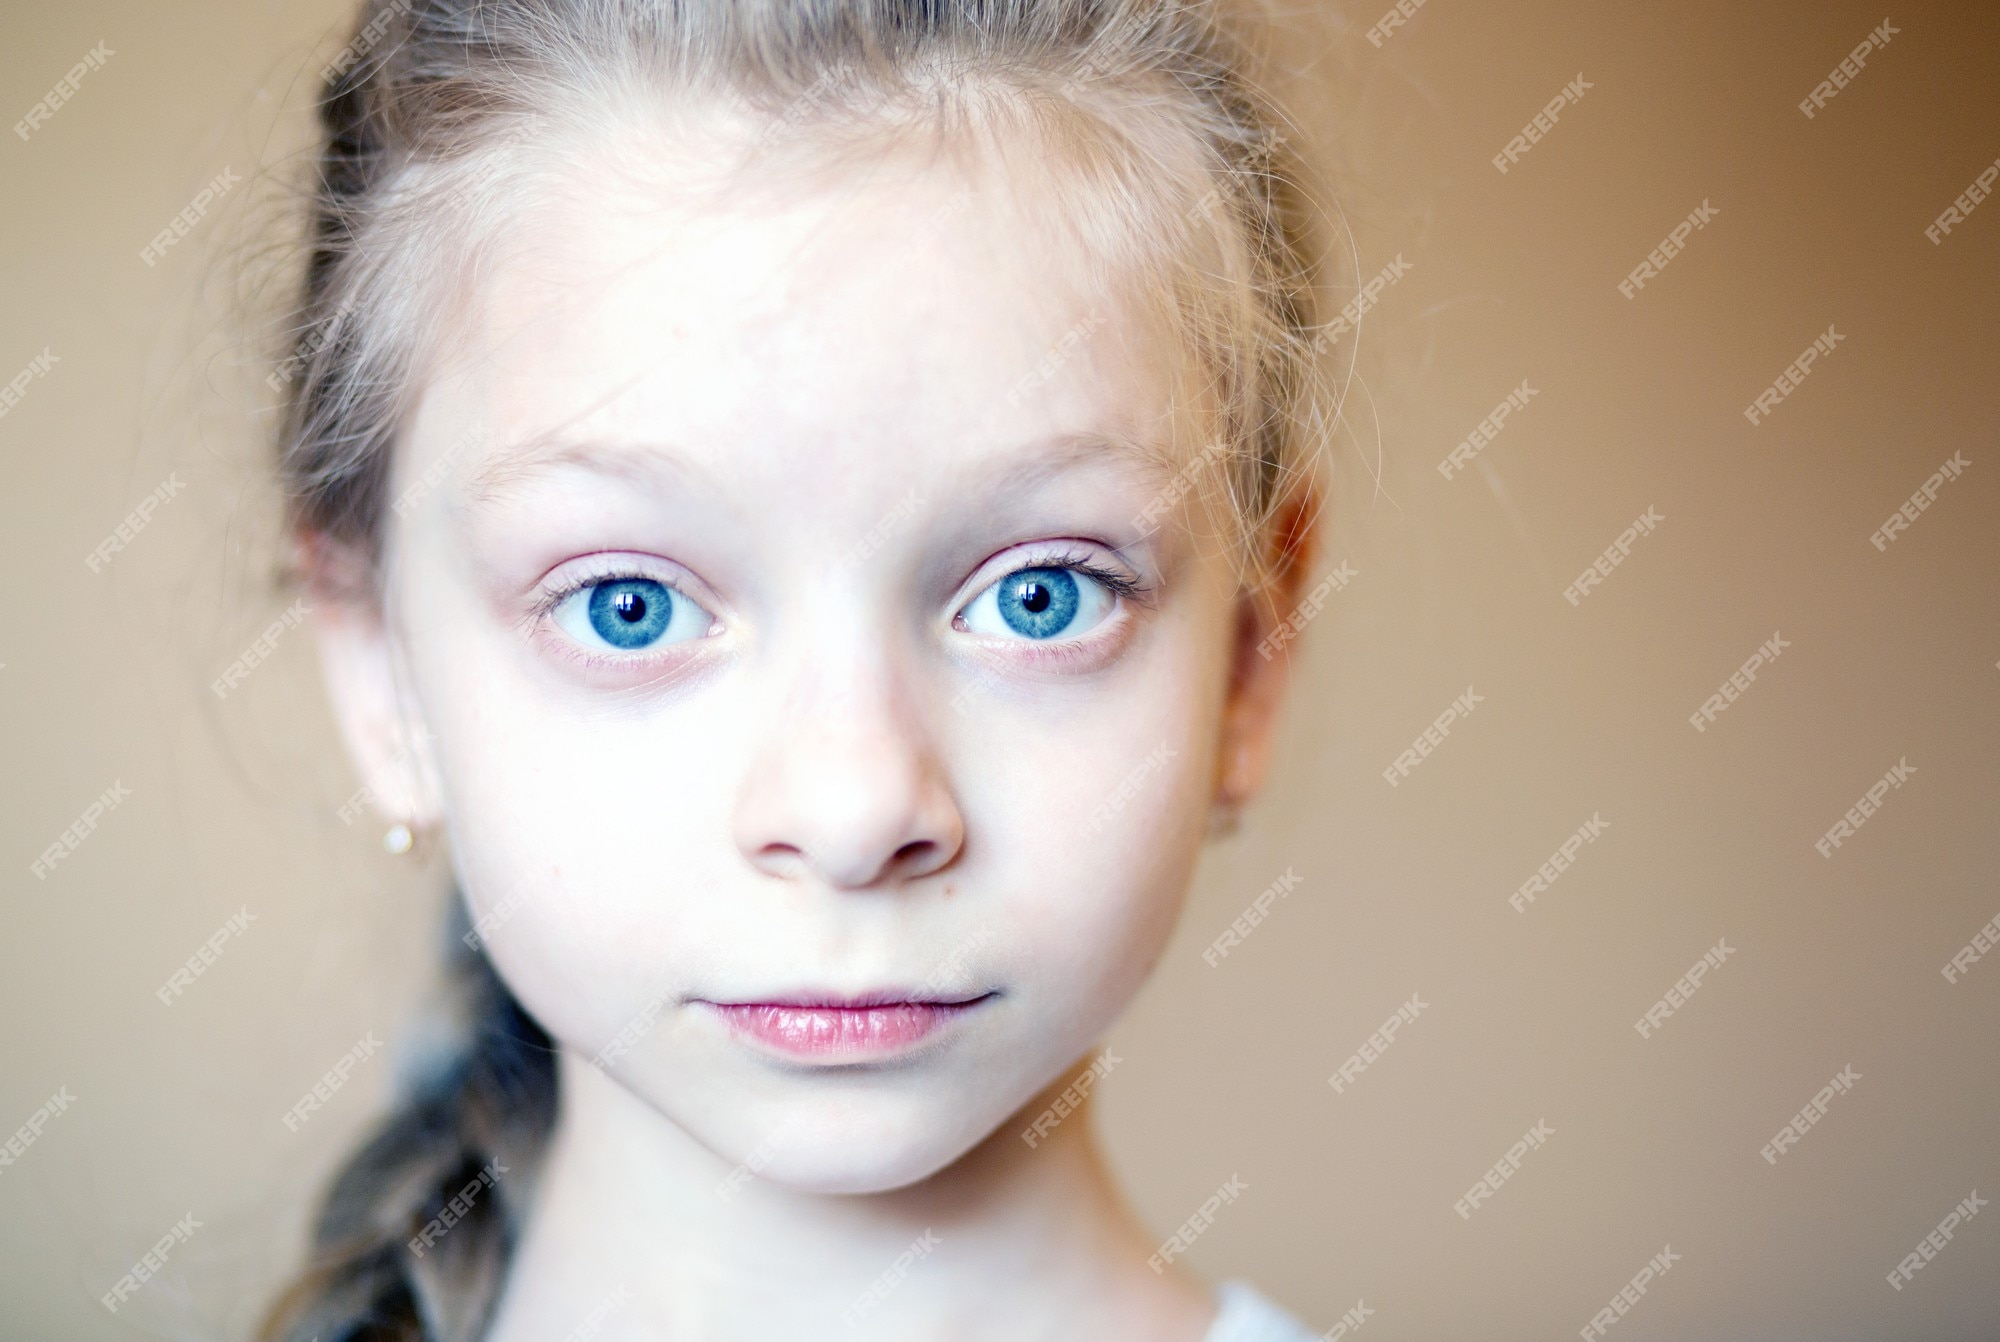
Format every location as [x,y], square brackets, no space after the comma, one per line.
[1076,561]
[609,571]
[1079,562]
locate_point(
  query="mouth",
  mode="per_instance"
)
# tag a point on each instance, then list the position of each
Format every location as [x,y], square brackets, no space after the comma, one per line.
[841,1027]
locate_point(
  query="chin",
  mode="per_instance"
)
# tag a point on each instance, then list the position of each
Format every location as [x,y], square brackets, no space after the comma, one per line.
[852,1145]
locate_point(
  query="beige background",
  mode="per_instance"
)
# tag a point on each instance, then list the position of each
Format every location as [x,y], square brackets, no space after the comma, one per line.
[1895,655]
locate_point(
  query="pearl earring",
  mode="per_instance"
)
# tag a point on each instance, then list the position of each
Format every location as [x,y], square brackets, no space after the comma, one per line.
[398,840]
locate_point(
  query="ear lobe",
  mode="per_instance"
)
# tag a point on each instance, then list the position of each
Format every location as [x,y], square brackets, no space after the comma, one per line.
[1249,719]
[1260,665]
[379,718]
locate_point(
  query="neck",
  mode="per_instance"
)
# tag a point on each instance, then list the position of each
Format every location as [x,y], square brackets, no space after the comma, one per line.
[636,1224]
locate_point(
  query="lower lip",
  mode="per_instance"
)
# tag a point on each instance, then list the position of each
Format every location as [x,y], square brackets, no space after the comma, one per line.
[847,1034]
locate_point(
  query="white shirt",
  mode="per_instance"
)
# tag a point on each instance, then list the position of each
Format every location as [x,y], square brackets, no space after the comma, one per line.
[1246,1316]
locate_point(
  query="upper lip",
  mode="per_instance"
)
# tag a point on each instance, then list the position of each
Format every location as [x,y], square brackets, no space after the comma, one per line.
[824,998]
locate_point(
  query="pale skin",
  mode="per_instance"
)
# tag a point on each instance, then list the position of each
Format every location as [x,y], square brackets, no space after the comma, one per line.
[837,769]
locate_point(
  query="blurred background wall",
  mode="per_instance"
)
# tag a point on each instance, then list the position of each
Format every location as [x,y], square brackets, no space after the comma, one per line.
[145,381]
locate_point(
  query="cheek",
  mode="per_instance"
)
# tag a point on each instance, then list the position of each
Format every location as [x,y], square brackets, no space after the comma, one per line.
[1098,909]
[1102,829]
[590,846]
[585,874]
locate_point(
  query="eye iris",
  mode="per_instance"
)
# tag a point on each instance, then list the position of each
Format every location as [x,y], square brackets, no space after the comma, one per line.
[631,612]
[1039,602]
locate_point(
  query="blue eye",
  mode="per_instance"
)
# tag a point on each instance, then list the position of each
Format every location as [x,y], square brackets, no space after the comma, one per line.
[1040,603]
[629,614]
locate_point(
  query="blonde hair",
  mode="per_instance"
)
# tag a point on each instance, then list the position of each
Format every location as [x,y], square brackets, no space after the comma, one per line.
[1171,166]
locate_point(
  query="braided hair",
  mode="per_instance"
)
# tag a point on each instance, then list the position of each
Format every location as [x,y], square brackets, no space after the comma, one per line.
[466,1138]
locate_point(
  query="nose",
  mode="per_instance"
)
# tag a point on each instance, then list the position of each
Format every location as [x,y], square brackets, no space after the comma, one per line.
[847,783]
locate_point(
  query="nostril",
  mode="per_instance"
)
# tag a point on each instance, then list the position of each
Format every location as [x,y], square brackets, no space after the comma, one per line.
[784,858]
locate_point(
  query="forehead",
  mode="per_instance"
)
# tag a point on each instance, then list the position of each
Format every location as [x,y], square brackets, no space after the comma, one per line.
[913,308]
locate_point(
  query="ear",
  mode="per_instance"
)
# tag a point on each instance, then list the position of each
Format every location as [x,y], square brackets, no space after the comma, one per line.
[378,716]
[1260,664]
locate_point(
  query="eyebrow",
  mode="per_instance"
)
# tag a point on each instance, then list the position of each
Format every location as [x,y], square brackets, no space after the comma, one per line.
[654,464]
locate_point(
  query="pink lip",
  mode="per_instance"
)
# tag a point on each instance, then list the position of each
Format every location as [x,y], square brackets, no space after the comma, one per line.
[828,1027]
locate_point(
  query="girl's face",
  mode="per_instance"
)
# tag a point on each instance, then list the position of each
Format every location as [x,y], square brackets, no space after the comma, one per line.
[778,601]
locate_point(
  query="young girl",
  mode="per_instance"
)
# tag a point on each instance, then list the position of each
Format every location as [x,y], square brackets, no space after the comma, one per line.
[800,498]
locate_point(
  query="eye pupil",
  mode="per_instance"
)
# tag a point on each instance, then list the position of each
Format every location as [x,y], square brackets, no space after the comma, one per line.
[1041,602]
[630,612]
